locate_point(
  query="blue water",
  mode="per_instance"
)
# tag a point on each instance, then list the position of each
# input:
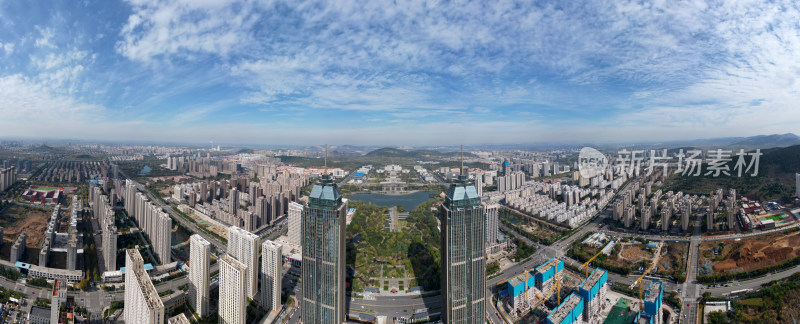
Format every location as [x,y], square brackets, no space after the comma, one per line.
[409,201]
[145,171]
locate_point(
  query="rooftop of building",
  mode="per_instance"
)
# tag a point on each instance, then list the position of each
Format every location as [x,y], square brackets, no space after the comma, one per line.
[40,312]
[517,280]
[325,193]
[560,313]
[178,319]
[547,265]
[148,291]
[226,258]
[653,291]
[271,244]
[199,239]
[242,232]
[589,282]
[642,318]
[462,194]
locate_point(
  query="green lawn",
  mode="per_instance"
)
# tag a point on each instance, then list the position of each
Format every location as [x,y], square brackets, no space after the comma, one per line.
[412,251]
[45,188]
[777,217]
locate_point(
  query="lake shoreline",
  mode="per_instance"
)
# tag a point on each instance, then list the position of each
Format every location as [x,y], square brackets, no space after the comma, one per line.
[409,200]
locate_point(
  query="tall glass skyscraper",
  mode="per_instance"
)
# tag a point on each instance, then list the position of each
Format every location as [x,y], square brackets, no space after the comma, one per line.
[323,267]
[463,222]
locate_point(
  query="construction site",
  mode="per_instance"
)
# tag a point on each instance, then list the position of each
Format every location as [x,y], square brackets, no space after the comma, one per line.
[748,254]
[673,262]
[549,293]
[616,254]
[530,225]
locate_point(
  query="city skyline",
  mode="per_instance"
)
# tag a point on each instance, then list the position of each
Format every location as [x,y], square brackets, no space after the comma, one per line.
[397,73]
[412,161]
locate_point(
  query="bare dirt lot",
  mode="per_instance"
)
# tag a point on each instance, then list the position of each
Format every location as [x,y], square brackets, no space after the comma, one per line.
[31,220]
[537,229]
[750,254]
[673,260]
[633,253]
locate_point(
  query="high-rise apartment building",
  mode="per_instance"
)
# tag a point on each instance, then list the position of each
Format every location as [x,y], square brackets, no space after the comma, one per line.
[142,303]
[491,223]
[130,196]
[8,177]
[110,247]
[323,242]
[294,219]
[686,214]
[271,276]
[18,247]
[647,212]
[233,202]
[463,267]
[710,215]
[232,295]
[797,185]
[199,265]
[72,251]
[243,246]
[152,220]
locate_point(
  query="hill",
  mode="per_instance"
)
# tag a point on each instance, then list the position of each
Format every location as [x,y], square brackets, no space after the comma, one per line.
[389,152]
[398,153]
[768,141]
[753,142]
[775,179]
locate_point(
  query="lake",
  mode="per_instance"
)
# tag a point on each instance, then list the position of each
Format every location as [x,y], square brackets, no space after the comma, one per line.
[410,201]
[145,171]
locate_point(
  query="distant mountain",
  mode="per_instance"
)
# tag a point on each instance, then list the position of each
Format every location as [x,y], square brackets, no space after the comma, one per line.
[398,153]
[775,179]
[389,152]
[753,142]
[768,141]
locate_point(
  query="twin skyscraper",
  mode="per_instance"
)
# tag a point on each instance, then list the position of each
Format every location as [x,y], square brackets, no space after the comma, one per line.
[463,262]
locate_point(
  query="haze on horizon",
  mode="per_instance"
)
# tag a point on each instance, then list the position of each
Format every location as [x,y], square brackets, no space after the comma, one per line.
[411,73]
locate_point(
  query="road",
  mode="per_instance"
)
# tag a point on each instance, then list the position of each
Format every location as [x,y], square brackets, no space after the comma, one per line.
[221,247]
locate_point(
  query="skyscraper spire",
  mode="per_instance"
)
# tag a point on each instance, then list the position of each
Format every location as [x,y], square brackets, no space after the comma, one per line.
[323,269]
[463,253]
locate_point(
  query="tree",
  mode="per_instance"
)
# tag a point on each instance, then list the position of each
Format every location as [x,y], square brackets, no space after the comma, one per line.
[83,284]
[492,268]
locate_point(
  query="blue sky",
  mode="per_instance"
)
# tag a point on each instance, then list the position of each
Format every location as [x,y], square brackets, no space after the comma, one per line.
[398,72]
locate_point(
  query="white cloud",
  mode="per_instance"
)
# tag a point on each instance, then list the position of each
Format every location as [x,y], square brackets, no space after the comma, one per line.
[25,100]
[684,67]
[46,35]
[185,28]
[8,48]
